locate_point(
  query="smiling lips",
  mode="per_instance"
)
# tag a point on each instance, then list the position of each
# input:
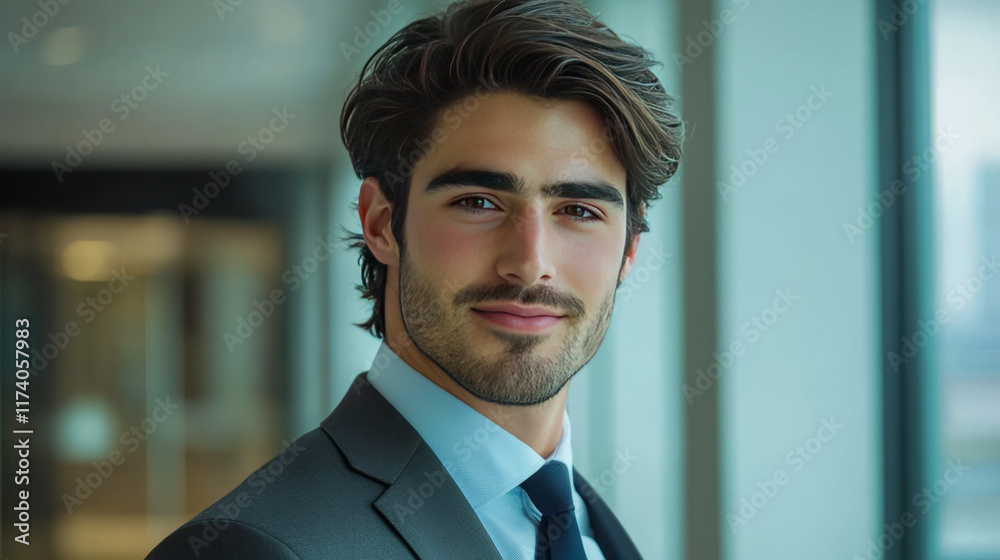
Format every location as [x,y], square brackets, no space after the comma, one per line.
[519,318]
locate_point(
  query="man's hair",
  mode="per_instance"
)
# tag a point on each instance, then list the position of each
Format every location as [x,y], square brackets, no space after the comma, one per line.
[549,49]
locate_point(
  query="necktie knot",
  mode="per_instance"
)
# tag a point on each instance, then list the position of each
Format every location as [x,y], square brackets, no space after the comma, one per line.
[549,488]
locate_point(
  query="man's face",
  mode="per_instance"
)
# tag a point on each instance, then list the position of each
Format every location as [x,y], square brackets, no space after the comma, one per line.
[513,246]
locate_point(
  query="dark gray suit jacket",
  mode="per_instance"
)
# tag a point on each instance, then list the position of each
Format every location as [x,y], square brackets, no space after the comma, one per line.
[362,485]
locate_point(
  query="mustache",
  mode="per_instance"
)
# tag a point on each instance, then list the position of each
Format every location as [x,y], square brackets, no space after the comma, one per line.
[512,293]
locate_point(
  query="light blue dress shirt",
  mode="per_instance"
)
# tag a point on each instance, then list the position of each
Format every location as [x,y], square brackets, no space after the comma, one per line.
[487,462]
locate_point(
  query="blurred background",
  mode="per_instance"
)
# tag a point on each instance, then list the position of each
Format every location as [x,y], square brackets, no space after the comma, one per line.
[804,363]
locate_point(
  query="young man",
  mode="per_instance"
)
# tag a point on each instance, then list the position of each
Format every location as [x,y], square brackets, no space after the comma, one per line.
[508,150]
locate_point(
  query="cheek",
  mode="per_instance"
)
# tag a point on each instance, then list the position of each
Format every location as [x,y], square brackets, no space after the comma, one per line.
[445,249]
[592,268]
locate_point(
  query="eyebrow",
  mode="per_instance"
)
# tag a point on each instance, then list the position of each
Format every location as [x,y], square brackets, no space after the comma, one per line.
[508,182]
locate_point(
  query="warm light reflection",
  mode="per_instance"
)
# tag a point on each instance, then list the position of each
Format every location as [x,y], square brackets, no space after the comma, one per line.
[64,46]
[88,261]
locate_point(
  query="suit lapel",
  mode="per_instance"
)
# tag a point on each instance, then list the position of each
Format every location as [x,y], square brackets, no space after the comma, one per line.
[422,501]
[608,532]
[431,513]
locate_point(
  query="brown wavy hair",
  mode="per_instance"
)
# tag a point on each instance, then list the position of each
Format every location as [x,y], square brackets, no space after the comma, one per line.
[551,49]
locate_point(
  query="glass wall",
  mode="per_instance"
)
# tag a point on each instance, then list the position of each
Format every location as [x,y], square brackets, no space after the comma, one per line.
[965,162]
[159,352]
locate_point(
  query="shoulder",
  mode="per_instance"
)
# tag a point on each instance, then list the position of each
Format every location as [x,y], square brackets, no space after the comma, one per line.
[306,497]
[217,539]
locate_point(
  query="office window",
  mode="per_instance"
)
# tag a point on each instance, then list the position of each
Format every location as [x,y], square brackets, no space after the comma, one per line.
[965,158]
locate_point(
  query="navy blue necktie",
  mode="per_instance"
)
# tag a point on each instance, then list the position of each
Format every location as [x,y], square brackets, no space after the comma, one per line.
[558,535]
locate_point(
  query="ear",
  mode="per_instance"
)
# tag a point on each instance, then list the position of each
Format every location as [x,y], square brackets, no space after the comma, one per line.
[375,213]
[629,259]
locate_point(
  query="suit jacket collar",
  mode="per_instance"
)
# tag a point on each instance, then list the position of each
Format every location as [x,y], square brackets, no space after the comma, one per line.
[422,502]
[421,505]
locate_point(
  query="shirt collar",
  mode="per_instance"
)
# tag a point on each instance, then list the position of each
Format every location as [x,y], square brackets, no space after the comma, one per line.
[485,460]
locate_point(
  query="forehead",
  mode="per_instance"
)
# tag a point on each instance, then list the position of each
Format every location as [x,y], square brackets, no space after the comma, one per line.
[539,140]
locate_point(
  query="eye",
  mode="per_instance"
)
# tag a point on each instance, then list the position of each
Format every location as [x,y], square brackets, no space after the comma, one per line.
[476,203]
[580,213]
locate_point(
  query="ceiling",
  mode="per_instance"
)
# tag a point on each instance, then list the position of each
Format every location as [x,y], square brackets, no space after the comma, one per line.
[223,68]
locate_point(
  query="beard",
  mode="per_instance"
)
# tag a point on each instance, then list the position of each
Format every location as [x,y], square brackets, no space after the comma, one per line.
[521,373]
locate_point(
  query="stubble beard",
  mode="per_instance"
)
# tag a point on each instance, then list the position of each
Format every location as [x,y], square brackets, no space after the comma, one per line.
[517,375]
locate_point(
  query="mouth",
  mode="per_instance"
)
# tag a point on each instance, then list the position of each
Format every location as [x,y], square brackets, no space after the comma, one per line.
[528,319]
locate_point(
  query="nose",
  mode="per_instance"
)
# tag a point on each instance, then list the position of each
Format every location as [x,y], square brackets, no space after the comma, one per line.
[526,257]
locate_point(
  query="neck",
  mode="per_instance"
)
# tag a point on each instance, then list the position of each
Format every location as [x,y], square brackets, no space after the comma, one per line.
[538,426]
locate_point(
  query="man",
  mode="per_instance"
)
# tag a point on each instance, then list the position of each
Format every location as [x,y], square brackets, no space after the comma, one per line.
[508,150]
